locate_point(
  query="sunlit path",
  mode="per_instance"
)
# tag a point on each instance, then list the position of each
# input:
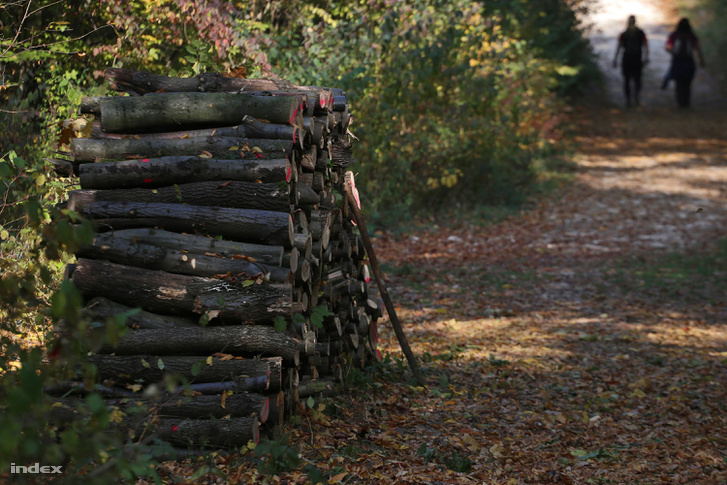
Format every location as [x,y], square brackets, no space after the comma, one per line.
[608,20]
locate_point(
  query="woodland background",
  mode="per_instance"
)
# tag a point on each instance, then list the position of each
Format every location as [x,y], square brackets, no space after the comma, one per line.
[459,107]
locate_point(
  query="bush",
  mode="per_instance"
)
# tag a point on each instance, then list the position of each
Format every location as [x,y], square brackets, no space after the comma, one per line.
[453,100]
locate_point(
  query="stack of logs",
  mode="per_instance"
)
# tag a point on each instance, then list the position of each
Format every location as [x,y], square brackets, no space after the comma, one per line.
[218,211]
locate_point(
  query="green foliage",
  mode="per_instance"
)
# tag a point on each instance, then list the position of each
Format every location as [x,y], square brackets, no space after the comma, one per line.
[318,314]
[707,18]
[454,461]
[276,457]
[454,101]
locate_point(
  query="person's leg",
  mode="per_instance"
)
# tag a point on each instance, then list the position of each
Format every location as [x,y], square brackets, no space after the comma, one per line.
[627,75]
[682,91]
[637,85]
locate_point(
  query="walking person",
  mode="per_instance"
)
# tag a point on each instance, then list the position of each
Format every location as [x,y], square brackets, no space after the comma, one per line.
[635,48]
[682,44]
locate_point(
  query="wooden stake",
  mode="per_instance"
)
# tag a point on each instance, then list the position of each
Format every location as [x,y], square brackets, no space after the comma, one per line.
[403,343]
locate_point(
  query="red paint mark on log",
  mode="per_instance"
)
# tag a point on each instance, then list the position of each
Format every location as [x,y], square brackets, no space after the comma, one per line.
[147,181]
[295,113]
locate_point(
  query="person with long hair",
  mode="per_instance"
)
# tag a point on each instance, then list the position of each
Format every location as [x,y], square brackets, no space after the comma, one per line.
[632,42]
[683,44]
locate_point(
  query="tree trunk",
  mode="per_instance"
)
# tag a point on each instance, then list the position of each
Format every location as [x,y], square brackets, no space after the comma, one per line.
[241,404]
[172,111]
[249,128]
[309,158]
[269,255]
[303,195]
[236,405]
[240,384]
[234,432]
[144,82]
[123,369]
[322,387]
[231,194]
[228,148]
[254,226]
[148,256]
[160,172]
[172,294]
[102,309]
[239,339]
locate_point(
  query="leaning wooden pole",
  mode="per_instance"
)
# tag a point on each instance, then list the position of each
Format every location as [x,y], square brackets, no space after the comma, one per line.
[403,343]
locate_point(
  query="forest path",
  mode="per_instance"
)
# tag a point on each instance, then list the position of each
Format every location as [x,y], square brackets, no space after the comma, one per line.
[583,341]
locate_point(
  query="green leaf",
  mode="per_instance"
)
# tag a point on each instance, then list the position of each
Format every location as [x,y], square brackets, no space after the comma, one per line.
[160,364]
[197,368]
[310,402]
[280,324]
[6,171]
[145,364]
[318,314]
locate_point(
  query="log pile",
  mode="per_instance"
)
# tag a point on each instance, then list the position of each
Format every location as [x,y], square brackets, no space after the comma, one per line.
[218,211]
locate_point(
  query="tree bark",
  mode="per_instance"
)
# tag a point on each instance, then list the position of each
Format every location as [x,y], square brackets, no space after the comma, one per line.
[124,369]
[235,340]
[205,406]
[143,82]
[172,111]
[159,172]
[322,387]
[239,384]
[148,256]
[269,255]
[229,433]
[228,148]
[231,194]
[253,226]
[172,294]
[249,128]
[102,309]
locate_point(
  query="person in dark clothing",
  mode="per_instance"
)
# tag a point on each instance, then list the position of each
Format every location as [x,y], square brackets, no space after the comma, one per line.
[682,44]
[632,42]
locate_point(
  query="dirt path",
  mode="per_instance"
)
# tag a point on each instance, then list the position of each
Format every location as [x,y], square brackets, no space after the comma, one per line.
[584,341]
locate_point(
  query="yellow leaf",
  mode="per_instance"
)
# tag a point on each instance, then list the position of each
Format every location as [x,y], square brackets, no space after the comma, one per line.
[339,477]
[209,360]
[233,149]
[257,150]
[498,451]
[471,443]
[638,393]
[117,416]
[205,154]
[224,398]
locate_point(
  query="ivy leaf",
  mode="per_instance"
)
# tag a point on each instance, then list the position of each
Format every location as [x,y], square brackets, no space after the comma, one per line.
[280,324]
